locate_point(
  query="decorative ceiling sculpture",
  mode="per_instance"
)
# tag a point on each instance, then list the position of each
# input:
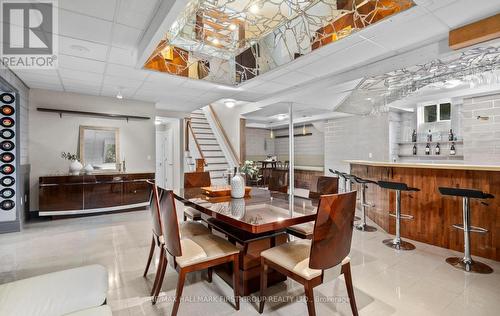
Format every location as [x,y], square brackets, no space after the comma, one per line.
[474,67]
[231,41]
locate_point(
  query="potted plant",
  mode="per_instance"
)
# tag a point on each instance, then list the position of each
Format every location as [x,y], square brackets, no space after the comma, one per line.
[75,166]
[251,171]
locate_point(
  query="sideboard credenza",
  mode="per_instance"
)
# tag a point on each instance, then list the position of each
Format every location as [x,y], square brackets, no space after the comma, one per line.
[86,194]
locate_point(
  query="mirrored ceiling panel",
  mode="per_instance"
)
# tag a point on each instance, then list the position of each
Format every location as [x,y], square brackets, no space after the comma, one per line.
[232,41]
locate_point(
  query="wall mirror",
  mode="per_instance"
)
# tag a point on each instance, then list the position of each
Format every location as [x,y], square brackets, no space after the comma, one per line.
[100,147]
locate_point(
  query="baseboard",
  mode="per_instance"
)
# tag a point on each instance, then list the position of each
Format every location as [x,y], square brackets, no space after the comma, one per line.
[10,227]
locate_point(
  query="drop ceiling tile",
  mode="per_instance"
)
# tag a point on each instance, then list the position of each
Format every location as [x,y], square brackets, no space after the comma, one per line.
[292,78]
[82,76]
[81,48]
[125,36]
[121,82]
[113,91]
[74,83]
[83,64]
[123,56]
[43,74]
[82,90]
[136,14]
[96,8]
[268,87]
[126,72]
[84,27]
[46,86]
[463,12]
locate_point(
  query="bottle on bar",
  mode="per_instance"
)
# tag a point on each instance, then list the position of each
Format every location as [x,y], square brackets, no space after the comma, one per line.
[429,137]
[414,136]
[414,150]
[428,149]
[453,151]
[437,150]
[450,135]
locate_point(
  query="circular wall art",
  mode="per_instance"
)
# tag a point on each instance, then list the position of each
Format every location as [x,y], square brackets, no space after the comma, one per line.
[7,98]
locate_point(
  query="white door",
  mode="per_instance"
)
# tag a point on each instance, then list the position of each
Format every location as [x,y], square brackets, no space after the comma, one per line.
[160,159]
[169,157]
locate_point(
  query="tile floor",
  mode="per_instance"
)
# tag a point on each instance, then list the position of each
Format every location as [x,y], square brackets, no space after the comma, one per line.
[386,282]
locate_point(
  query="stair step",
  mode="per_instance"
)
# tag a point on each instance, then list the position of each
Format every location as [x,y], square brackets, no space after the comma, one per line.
[204,141]
[205,137]
[202,128]
[211,160]
[203,133]
[213,154]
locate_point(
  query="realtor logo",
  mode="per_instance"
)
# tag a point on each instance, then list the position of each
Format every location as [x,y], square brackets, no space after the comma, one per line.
[28,29]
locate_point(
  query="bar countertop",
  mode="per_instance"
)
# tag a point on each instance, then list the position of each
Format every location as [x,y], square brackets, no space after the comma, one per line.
[424,165]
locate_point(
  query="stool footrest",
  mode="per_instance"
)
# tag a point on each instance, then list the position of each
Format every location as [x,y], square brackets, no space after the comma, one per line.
[368,204]
[472,229]
[402,216]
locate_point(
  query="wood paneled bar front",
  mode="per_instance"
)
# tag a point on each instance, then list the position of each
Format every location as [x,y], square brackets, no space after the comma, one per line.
[433,213]
[95,193]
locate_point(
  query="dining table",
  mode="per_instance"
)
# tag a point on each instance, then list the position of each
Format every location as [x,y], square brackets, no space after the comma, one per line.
[254,223]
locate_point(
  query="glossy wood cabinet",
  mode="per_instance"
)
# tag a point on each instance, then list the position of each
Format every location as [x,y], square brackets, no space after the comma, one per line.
[69,195]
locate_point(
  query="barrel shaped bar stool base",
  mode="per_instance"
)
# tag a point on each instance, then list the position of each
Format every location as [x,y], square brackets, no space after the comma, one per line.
[401,245]
[475,266]
[365,228]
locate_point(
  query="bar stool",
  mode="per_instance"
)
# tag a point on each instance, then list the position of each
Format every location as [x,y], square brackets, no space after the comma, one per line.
[343,176]
[397,242]
[466,263]
[363,226]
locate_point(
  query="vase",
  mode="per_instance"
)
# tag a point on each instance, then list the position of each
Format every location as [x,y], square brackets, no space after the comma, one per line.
[237,186]
[238,208]
[88,169]
[75,167]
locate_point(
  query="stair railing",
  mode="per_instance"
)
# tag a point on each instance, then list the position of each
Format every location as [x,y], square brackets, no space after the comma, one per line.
[189,130]
[223,134]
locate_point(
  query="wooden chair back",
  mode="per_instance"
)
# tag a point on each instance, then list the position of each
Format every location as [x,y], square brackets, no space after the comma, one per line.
[169,222]
[278,181]
[196,179]
[332,236]
[325,185]
[154,207]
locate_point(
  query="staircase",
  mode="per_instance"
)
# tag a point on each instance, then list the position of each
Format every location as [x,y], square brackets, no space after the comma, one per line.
[215,159]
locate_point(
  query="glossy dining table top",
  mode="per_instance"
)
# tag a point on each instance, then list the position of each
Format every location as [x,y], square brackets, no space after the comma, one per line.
[263,211]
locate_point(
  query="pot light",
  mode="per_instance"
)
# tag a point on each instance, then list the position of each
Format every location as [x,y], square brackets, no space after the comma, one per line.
[230,103]
[281,117]
[119,95]
[254,8]
[232,27]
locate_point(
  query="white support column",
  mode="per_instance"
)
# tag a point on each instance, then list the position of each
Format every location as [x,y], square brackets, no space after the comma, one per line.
[291,165]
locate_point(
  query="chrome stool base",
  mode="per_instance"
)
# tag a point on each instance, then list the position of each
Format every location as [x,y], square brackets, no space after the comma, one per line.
[474,266]
[401,245]
[365,228]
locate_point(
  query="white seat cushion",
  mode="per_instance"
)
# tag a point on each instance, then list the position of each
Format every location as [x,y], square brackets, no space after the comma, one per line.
[203,248]
[103,310]
[190,229]
[191,212]
[294,257]
[57,293]
[305,229]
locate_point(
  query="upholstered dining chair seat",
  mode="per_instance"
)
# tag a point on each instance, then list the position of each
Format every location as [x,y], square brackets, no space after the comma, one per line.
[294,256]
[192,213]
[190,229]
[305,229]
[204,248]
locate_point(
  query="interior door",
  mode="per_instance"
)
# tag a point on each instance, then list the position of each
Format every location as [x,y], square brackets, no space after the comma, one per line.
[160,158]
[169,157]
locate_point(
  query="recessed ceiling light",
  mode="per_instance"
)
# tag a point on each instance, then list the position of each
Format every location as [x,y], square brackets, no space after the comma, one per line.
[230,103]
[254,8]
[80,48]
[119,95]
[281,117]
[232,27]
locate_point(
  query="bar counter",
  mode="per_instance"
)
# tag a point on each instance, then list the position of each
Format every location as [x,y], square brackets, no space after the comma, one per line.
[433,213]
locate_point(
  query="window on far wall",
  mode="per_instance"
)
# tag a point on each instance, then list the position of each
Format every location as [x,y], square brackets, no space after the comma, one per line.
[437,112]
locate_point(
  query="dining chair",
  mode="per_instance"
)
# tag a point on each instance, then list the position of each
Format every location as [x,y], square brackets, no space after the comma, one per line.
[194,253]
[187,229]
[306,260]
[325,185]
[278,181]
[195,180]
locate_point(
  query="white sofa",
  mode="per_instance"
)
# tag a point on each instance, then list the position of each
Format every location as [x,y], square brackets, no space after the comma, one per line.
[77,292]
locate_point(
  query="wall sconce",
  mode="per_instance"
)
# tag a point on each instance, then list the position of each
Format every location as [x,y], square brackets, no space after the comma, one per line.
[482,118]
[271,135]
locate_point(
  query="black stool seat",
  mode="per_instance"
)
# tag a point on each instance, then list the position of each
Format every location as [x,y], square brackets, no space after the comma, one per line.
[466,263]
[399,186]
[469,193]
[364,181]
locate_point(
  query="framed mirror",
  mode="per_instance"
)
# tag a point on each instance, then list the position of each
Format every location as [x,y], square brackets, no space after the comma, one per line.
[100,147]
